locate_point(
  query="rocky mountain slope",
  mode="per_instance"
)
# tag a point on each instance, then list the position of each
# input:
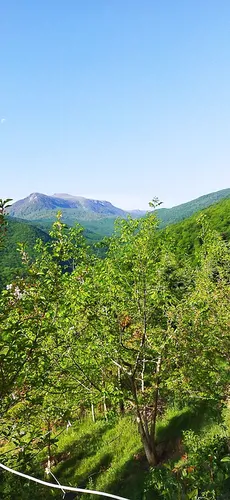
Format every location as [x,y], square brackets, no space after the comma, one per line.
[38,206]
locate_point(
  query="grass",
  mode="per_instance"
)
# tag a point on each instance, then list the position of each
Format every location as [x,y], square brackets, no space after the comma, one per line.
[98,454]
[108,456]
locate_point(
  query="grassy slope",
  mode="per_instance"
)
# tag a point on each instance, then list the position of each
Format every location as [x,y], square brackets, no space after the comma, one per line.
[109,457]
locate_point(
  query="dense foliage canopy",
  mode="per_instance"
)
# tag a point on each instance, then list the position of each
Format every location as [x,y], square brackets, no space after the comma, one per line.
[130,333]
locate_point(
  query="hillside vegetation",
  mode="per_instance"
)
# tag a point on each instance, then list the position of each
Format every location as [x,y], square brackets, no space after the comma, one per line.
[133,351]
[40,207]
[185,235]
[175,214]
[108,456]
[24,233]
[18,232]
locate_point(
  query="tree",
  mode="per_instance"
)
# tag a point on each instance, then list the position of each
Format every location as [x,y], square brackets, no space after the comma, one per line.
[4,204]
[202,319]
[122,333]
[34,379]
[125,299]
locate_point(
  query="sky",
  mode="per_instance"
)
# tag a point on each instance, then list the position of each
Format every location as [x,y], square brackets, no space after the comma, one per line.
[119,100]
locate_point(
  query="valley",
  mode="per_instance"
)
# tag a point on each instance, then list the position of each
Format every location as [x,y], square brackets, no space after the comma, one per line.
[100,347]
[32,218]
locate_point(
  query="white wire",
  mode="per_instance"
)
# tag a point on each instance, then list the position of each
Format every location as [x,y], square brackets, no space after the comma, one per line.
[60,487]
[49,472]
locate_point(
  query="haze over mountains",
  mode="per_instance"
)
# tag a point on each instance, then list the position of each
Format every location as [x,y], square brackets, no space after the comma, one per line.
[38,206]
[32,217]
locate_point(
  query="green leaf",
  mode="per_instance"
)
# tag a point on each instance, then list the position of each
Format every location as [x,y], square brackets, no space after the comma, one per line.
[193,495]
[225,459]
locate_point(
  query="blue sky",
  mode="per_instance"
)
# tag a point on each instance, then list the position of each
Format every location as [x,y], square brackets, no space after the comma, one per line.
[115,99]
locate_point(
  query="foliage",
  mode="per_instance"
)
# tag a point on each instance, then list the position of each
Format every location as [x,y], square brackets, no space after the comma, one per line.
[123,337]
[4,204]
[180,212]
[203,471]
[185,236]
[10,258]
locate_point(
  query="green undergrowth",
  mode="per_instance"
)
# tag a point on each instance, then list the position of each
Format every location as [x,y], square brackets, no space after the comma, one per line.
[99,453]
[108,456]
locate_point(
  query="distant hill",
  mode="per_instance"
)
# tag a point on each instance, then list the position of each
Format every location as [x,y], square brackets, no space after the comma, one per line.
[184,233]
[98,216]
[175,214]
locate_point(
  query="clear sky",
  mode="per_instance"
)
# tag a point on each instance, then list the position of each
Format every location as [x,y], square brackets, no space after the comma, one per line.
[115,99]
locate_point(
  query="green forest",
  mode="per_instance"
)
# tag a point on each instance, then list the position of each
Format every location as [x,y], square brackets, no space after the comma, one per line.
[114,359]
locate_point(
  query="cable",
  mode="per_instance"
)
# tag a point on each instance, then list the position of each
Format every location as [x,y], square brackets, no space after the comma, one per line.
[59,486]
[49,472]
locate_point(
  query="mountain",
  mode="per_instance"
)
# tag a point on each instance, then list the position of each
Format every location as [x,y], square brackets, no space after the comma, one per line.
[98,216]
[182,229]
[41,206]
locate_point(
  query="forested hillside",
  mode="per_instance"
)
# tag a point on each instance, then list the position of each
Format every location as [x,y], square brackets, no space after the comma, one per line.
[99,216]
[18,232]
[186,235]
[132,351]
[21,232]
[175,214]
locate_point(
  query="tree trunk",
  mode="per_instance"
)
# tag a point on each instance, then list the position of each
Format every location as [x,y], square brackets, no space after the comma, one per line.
[147,440]
[49,447]
[105,408]
[149,446]
[142,376]
[104,399]
[93,412]
[150,455]
[155,403]
[121,402]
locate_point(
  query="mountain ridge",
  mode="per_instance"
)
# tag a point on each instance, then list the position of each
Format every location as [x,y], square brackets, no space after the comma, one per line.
[29,207]
[38,206]
[184,210]
[182,228]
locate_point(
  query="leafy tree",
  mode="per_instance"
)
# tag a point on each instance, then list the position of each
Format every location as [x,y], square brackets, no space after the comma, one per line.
[34,382]
[4,204]
[125,300]
[203,319]
[123,333]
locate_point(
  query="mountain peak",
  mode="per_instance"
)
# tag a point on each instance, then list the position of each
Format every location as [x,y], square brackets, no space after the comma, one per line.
[38,205]
[65,196]
[33,197]
[41,206]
